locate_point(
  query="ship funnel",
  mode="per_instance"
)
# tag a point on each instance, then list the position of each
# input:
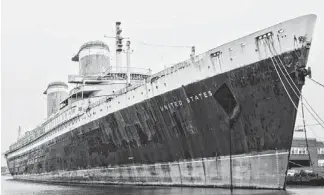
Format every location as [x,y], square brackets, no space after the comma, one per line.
[93,58]
[56,92]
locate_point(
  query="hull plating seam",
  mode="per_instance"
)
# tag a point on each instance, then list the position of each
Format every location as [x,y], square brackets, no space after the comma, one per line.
[249,171]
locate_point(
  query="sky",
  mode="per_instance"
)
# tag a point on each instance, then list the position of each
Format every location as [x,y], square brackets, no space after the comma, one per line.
[39,38]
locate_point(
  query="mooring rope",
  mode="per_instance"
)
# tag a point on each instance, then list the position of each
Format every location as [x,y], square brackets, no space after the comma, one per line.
[320,84]
[274,65]
[281,63]
[320,123]
[302,107]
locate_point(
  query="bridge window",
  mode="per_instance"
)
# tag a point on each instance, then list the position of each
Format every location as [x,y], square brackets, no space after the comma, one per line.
[320,163]
[298,150]
[320,150]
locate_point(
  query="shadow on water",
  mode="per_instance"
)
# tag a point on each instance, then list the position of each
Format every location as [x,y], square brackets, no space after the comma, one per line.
[13,187]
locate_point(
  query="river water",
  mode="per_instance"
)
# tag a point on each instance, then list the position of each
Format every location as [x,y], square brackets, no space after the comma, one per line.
[13,187]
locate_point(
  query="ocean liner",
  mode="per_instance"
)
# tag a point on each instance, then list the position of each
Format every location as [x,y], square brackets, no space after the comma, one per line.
[224,118]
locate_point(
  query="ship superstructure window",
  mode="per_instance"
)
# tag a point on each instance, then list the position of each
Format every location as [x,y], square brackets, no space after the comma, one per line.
[320,150]
[225,98]
[320,163]
[298,150]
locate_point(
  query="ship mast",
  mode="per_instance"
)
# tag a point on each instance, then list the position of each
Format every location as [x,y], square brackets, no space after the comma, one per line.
[119,46]
[128,51]
[119,49]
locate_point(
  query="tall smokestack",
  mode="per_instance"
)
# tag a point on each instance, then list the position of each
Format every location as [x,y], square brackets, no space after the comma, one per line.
[93,58]
[56,92]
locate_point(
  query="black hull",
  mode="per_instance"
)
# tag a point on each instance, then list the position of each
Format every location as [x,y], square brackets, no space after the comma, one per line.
[191,122]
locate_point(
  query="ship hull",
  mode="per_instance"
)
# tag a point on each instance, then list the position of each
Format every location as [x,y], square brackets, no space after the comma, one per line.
[264,170]
[183,137]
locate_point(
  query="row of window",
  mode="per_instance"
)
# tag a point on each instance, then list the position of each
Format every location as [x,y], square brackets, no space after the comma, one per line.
[297,150]
[47,127]
[58,129]
[59,119]
[303,150]
[63,117]
[64,126]
[320,163]
[320,150]
[138,77]
[123,76]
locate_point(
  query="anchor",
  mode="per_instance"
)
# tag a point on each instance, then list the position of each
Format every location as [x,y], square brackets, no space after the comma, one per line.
[302,73]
